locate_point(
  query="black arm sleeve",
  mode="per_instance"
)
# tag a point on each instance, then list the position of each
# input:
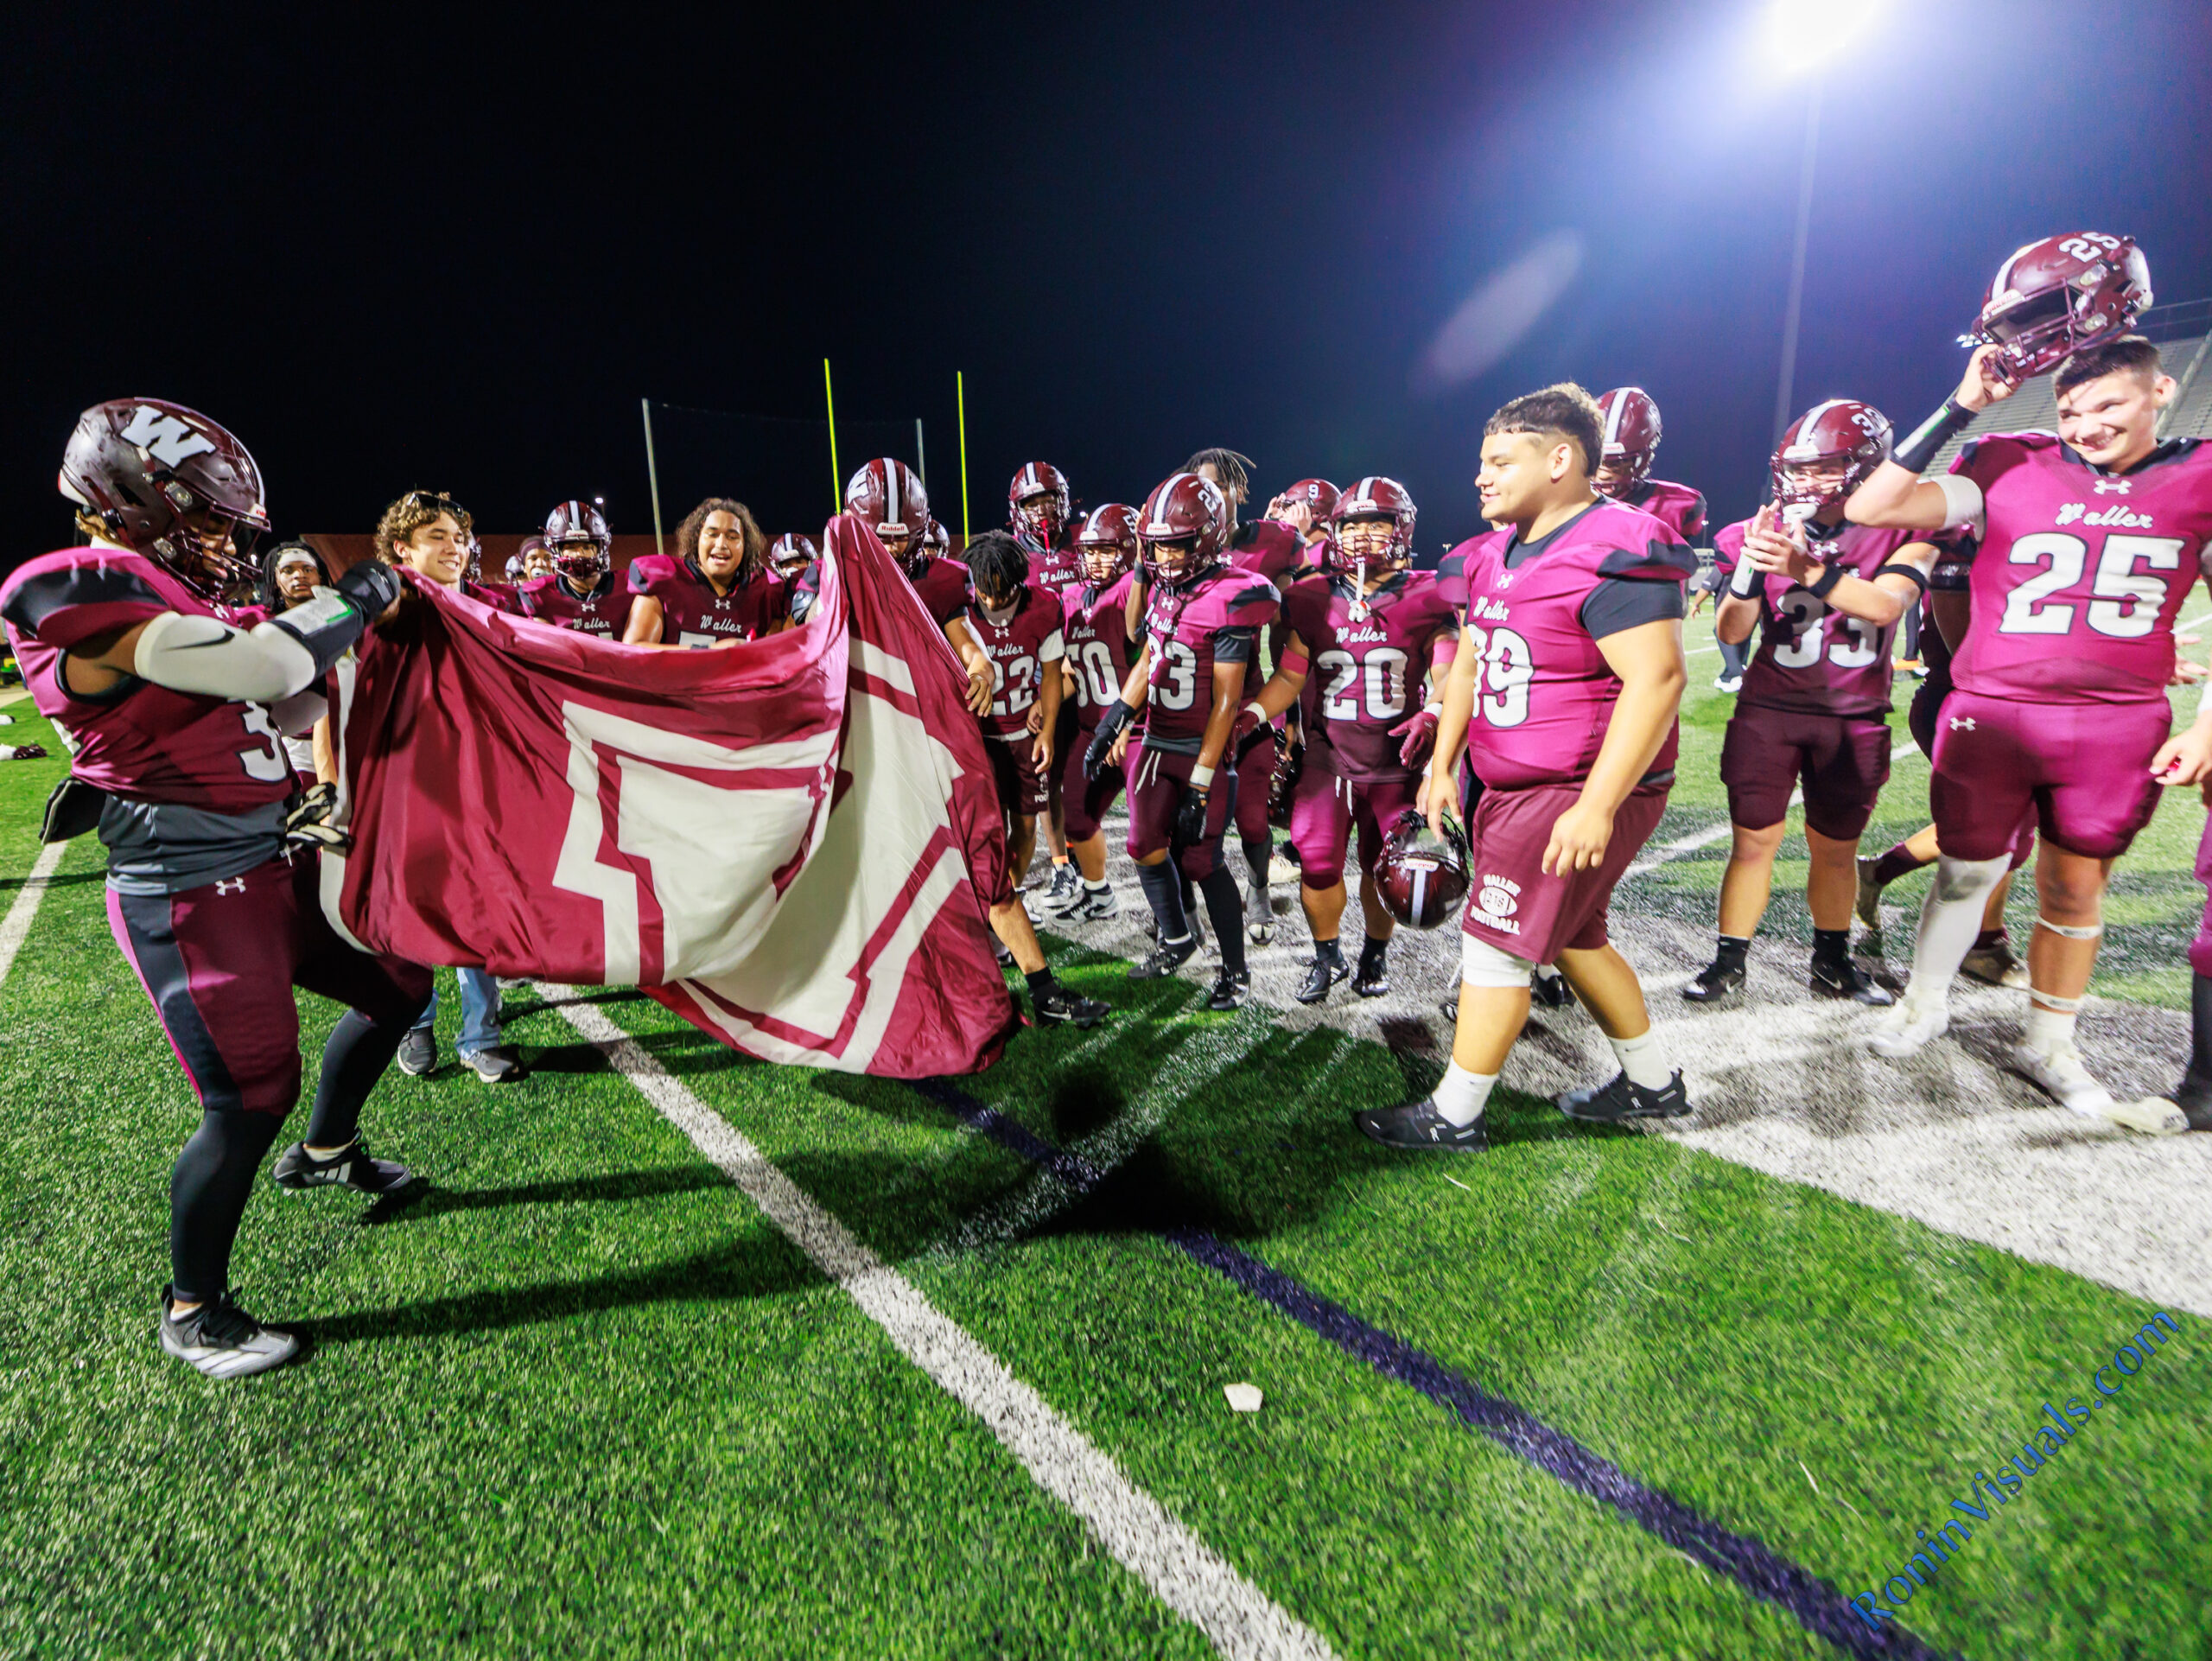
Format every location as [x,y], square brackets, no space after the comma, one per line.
[1620,603]
[1234,645]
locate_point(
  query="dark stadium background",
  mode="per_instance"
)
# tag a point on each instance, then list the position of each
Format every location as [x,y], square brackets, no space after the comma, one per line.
[455,252]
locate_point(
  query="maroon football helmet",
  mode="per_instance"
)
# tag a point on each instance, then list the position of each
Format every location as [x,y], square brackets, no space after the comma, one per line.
[1422,879]
[1318,495]
[1184,507]
[576,533]
[2055,296]
[166,482]
[1827,453]
[1631,433]
[1108,540]
[793,554]
[1368,498]
[1282,778]
[938,540]
[533,552]
[1037,507]
[890,502]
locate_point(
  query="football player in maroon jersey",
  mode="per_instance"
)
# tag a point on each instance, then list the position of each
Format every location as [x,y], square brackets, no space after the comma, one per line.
[1632,431]
[1201,618]
[1274,547]
[1826,596]
[174,704]
[582,594]
[1039,510]
[1566,681]
[717,589]
[2090,540]
[1372,631]
[533,559]
[1095,631]
[791,555]
[1018,624]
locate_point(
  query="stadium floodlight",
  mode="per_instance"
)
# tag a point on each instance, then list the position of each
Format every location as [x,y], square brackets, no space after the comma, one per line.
[1805,34]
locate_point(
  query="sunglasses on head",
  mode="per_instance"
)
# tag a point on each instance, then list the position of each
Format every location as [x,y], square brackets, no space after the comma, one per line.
[437,501]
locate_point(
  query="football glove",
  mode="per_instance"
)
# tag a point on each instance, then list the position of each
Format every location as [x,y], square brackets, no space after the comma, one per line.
[308,826]
[1419,731]
[23,751]
[370,586]
[1190,816]
[1111,726]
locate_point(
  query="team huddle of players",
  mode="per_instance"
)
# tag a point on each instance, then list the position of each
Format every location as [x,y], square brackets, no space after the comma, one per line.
[1291,672]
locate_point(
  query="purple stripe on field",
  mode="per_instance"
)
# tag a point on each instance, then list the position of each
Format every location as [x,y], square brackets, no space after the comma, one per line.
[1815,1605]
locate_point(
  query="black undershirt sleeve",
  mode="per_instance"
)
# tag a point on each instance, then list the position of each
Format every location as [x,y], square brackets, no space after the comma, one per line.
[1620,603]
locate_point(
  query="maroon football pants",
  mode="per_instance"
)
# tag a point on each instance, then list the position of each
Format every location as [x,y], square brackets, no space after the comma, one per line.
[219,963]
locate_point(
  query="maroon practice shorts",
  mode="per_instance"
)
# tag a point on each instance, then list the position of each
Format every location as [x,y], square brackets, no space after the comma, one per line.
[1518,909]
[2083,769]
[1843,761]
[220,962]
[1085,800]
[1156,782]
[1323,810]
[1013,770]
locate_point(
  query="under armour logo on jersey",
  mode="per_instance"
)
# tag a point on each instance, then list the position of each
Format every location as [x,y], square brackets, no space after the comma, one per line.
[231,885]
[1962,723]
[2115,486]
[167,439]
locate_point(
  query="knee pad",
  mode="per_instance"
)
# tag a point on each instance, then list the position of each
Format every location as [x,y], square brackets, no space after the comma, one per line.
[1482,964]
[1965,878]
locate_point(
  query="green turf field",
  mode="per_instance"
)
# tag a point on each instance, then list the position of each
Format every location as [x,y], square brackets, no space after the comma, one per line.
[582,1398]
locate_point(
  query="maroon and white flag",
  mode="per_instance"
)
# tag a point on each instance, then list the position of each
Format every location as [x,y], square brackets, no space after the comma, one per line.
[789,841]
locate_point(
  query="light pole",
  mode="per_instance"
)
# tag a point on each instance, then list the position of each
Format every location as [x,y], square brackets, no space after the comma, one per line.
[1785,406]
[1802,34]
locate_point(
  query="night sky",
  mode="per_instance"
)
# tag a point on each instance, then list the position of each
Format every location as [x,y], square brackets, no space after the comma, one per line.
[456,256]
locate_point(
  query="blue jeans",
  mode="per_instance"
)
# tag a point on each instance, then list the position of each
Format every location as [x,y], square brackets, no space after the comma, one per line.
[480,1011]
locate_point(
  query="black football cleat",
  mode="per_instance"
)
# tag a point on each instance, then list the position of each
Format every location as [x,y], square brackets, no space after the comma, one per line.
[1418,1125]
[1617,1100]
[353,1167]
[2194,1097]
[1321,975]
[1056,1004]
[1549,988]
[1373,980]
[222,1341]
[1847,980]
[1229,991]
[1717,983]
[1164,960]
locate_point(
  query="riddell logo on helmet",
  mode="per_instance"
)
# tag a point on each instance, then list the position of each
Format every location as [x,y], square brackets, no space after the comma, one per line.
[2115,514]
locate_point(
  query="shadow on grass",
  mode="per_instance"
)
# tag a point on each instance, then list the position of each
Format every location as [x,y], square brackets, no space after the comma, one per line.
[589,1190]
[9,883]
[759,1268]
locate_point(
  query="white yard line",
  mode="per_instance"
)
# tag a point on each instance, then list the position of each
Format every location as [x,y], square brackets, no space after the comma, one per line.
[17,924]
[1136,1529]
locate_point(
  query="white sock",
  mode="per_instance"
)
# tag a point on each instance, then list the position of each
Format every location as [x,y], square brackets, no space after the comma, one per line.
[2048,1030]
[1099,887]
[1949,922]
[1642,1060]
[1460,1095]
[1545,971]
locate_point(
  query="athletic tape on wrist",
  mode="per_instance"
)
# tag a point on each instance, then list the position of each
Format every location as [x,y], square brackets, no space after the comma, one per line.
[1201,778]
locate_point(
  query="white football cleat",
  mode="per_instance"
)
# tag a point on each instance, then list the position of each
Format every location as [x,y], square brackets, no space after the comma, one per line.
[2154,1116]
[1908,1029]
[2060,1074]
